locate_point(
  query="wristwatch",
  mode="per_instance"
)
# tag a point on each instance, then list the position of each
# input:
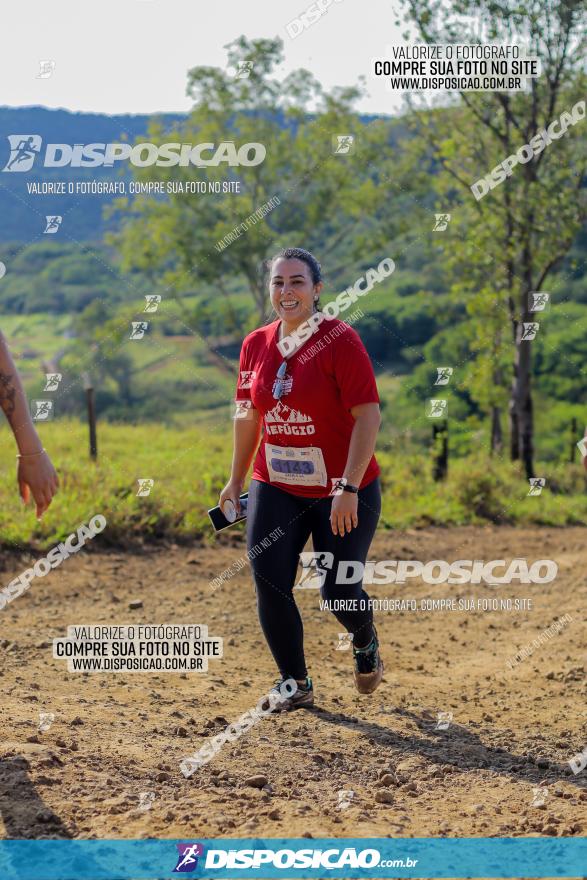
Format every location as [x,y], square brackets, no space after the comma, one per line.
[346,487]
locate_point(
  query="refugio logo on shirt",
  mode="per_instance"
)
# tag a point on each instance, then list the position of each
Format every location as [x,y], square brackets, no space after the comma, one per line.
[26,150]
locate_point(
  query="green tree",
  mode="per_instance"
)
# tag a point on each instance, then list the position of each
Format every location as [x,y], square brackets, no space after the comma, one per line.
[320,198]
[98,349]
[519,232]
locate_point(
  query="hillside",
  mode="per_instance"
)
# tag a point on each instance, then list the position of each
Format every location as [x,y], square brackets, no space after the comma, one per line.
[85,216]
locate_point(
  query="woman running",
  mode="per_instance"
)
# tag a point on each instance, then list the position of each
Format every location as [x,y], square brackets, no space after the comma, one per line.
[314,472]
[35,473]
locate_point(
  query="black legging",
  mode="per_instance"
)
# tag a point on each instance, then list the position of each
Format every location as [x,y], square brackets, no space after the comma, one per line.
[275,566]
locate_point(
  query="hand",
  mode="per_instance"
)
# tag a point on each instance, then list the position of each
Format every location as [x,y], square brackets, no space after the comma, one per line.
[231,492]
[36,475]
[343,513]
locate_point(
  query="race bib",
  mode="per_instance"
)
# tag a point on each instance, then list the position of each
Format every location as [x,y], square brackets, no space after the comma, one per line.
[297,466]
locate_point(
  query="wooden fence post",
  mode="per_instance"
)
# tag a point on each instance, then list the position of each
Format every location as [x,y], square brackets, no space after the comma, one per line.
[88,388]
[440,445]
[573,440]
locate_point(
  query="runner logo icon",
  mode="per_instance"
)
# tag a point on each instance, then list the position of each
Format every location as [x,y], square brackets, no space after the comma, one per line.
[315,565]
[188,857]
[53,223]
[42,411]
[246,378]
[24,149]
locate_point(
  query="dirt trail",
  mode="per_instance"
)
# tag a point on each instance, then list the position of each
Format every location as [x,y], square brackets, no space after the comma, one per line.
[117,735]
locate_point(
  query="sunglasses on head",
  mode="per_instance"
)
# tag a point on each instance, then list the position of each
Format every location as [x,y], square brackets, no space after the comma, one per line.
[280,379]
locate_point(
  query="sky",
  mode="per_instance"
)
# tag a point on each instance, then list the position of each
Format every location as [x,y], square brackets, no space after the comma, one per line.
[132,56]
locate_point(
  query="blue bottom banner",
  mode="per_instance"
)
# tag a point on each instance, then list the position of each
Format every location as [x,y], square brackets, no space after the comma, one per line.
[376,857]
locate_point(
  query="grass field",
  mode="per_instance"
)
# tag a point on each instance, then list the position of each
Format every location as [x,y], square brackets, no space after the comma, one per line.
[177,431]
[189,466]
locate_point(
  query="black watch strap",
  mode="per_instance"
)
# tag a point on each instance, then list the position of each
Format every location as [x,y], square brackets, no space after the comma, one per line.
[341,485]
[346,487]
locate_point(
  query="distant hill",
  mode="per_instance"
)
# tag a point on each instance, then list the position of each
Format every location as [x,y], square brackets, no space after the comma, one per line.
[21,214]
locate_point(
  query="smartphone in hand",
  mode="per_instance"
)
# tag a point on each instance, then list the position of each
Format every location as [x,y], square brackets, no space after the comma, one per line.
[219,519]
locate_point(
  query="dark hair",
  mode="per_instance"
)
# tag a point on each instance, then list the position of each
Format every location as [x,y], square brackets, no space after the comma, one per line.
[303,255]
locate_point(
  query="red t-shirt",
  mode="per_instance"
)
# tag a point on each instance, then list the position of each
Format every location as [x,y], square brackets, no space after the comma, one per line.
[306,433]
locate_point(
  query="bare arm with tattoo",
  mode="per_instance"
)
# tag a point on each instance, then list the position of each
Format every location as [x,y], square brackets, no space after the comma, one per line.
[35,474]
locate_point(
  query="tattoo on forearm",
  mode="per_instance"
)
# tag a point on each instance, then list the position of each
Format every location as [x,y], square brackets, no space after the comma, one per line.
[7,394]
